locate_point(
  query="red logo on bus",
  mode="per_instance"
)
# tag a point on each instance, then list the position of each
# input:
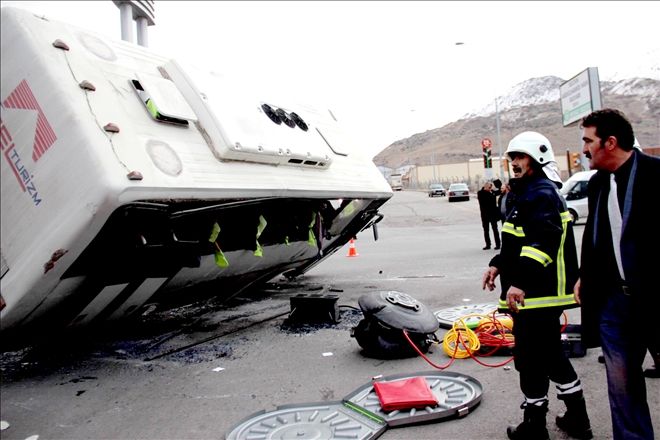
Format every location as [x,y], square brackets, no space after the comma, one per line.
[23,98]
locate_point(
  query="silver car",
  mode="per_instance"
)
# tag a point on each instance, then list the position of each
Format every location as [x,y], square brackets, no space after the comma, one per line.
[437,189]
[458,192]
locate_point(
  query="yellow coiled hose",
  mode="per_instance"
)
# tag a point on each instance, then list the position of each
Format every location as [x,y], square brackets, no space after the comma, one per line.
[490,331]
[460,341]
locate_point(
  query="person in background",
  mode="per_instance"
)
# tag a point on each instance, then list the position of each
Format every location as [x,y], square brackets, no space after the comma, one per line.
[489,214]
[497,187]
[503,201]
[618,273]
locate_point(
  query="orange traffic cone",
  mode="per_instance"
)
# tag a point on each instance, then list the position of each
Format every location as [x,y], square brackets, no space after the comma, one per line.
[352,252]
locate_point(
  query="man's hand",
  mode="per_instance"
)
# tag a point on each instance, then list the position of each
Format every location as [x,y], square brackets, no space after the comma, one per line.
[488,279]
[515,296]
[576,291]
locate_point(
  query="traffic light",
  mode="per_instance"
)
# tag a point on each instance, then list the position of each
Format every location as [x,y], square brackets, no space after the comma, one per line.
[488,160]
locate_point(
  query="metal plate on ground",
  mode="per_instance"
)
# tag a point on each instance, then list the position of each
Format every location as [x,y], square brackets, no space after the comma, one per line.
[456,393]
[447,317]
[309,421]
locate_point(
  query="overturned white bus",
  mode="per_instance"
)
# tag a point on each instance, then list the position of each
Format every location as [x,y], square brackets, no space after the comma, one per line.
[127,176]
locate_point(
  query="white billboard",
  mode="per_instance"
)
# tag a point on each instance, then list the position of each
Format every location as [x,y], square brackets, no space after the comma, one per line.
[580,96]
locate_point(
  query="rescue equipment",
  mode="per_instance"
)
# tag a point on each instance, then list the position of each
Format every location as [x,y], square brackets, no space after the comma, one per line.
[386,315]
[413,392]
[456,394]
[470,313]
[359,415]
[314,307]
[492,333]
[323,421]
[571,341]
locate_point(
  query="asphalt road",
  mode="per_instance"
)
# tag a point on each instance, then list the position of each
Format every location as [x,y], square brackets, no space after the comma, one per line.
[196,372]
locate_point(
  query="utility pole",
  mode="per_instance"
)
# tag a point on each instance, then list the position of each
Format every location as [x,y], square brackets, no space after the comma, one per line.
[499,140]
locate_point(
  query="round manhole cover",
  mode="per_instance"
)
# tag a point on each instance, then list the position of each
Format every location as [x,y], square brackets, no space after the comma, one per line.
[456,395]
[447,317]
[311,421]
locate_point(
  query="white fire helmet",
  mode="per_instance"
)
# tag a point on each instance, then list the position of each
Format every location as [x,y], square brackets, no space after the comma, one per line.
[534,144]
[538,147]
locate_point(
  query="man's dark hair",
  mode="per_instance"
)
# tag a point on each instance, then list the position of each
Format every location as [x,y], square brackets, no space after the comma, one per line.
[611,122]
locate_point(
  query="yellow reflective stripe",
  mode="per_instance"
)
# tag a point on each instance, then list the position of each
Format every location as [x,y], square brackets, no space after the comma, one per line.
[535,254]
[561,264]
[546,301]
[549,301]
[510,228]
[565,217]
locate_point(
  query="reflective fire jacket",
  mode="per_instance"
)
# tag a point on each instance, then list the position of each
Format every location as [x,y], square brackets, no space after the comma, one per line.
[538,246]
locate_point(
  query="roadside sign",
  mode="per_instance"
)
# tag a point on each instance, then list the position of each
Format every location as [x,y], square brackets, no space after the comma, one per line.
[580,95]
[486,143]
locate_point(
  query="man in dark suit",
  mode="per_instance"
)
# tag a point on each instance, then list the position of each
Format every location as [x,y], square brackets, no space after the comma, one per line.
[489,214]
[618,274]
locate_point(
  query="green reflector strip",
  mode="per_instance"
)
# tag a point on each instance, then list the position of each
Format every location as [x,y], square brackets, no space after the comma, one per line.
[364,412]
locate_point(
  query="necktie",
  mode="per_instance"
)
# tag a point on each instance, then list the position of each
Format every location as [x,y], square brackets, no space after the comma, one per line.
[614,214]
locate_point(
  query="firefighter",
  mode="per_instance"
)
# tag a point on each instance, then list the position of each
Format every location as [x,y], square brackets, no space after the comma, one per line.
[538,268]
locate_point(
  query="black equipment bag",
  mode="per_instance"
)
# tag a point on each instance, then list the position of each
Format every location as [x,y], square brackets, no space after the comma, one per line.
[386,316]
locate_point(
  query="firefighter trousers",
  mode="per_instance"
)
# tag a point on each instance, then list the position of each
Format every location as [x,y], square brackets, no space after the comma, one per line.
[539,355]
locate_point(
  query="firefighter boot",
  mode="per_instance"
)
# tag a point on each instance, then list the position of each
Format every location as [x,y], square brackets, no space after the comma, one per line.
[533,425]
[575,421]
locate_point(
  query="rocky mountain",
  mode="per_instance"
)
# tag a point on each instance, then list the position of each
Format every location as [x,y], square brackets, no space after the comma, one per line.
[531,105]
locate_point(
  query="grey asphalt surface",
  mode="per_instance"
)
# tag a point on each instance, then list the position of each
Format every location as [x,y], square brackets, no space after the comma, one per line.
[137,381]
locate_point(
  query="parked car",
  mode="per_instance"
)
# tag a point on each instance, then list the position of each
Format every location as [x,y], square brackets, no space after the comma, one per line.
[574,191]
[458,192]
[437,189]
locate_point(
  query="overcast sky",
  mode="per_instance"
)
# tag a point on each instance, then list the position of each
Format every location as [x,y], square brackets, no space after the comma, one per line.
[391,69]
